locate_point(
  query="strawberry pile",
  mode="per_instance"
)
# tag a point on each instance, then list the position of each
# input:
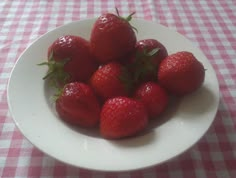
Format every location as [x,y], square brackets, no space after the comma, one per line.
[115,82]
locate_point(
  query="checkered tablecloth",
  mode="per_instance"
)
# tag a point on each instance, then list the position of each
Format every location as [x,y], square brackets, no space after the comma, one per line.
[209,24]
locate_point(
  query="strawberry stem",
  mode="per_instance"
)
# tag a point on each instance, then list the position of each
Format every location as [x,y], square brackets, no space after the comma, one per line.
[117,11]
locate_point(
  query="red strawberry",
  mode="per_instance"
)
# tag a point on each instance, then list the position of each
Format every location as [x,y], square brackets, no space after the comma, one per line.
[78,105]
[154,97]
[70,59]
[110,80]
[146,59]
[181,73]
[112,37]
[122,117]
[147,45]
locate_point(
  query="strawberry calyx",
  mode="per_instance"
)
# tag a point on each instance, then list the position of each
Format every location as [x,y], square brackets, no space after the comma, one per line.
[58,93]
[126,79]
[56,75]
[143,64]
[127,19]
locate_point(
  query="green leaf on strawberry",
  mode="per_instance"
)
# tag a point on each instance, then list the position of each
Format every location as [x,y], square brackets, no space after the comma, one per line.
[56,74]
[143,65]
[127,19]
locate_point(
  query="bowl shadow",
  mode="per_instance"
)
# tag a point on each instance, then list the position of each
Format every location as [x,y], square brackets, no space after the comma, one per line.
[172,108]
[197,102]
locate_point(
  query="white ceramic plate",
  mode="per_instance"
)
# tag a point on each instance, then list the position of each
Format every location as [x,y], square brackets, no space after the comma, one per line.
[179,128]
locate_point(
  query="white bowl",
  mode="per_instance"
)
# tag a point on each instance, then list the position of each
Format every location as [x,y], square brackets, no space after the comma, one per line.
[180,127]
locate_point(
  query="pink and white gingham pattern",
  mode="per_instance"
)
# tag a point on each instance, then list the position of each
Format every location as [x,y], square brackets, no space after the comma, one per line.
[209,24]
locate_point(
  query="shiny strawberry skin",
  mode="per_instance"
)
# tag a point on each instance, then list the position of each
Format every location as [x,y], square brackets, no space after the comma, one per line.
[78,105]
[181,73]
[154,98]
[65,47]
[112,38]
[80,63]
[106,81]
[122,117]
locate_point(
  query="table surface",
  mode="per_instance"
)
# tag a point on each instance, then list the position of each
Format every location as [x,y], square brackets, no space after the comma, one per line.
[209,24]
